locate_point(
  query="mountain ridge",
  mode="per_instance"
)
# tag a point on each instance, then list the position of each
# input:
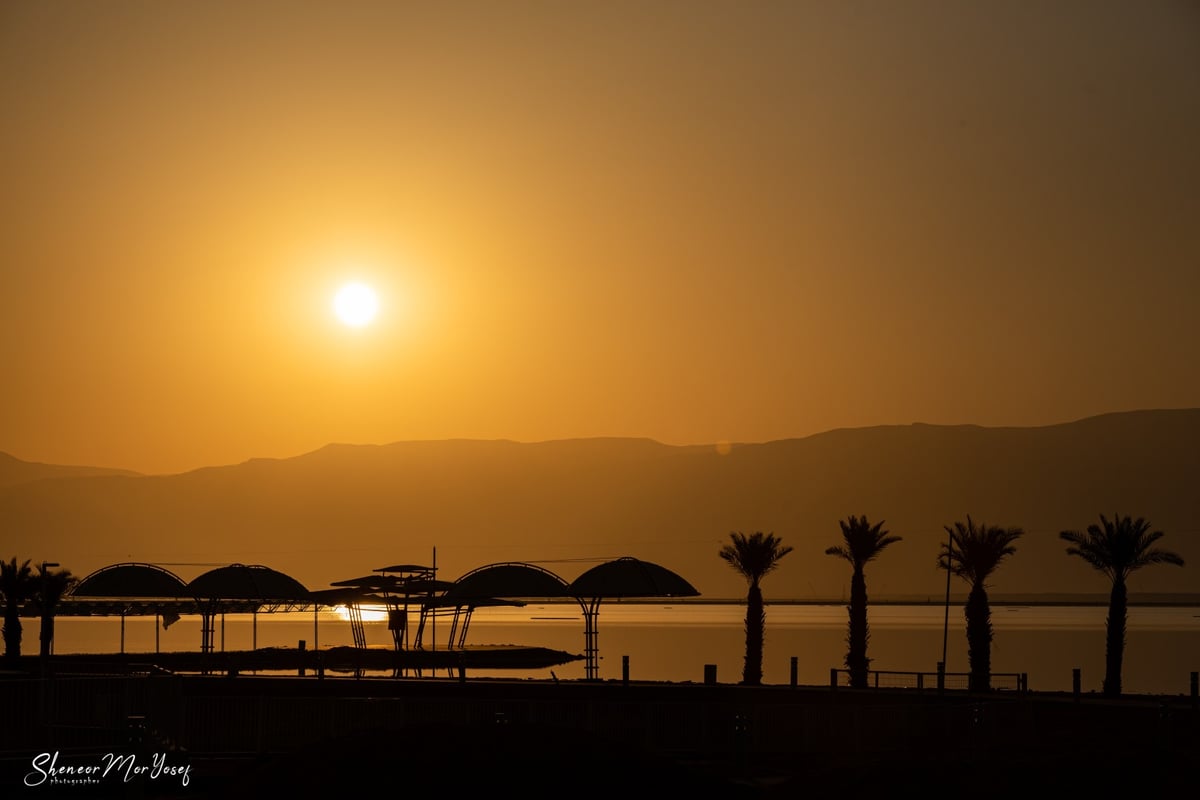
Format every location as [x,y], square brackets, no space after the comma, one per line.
[14,471]
[344,509]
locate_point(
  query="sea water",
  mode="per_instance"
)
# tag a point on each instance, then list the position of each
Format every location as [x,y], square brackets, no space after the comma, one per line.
[674,641]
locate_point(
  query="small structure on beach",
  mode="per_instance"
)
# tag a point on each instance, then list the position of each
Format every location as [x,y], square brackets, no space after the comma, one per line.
[400,588]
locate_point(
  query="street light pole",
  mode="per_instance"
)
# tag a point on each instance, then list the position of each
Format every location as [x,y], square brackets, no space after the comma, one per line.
[45,646]
[46,575]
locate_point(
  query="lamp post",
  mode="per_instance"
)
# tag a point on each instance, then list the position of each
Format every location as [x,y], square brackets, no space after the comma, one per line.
[46,573]
[45,648]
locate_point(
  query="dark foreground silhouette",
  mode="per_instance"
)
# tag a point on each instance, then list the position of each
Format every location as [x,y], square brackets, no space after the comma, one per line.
[499,760]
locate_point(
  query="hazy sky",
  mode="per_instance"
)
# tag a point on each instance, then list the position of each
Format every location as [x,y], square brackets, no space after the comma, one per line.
[683,220]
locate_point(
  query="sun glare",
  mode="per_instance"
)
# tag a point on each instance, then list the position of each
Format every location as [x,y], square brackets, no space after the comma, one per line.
[368,613]
[356,304]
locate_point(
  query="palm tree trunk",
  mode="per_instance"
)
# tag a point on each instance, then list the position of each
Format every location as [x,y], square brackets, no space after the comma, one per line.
[756,623]
[856,638]
[979,639]
[1114,651]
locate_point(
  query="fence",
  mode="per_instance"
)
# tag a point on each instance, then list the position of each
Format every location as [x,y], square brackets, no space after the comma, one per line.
[248,715]
[923,681]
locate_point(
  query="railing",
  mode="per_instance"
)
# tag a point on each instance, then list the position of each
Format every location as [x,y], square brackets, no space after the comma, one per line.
[933,681]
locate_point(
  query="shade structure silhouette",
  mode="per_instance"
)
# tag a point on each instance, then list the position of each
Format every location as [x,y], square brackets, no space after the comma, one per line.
[397,587]
[621,577]
[247,582]
[373,582]
[139,582]
[509,580]
[353,595]
[131,580]
[344,595]
[406,568]
[253,583]
[392,584]
[506,583]
[631,577]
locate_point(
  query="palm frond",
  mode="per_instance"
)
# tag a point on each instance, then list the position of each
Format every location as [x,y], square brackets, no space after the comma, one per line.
[755,555]
[840,552]
[864,541]
[974,552]
[1119,546]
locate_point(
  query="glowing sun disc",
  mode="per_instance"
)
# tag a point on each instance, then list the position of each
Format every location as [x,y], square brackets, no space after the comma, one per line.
[356,304]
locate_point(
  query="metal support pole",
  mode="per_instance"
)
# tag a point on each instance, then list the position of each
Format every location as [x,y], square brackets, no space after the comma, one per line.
[710,674]
[941,677]
[833,678]
[591,647]
[625,670]
[1076,682]
[795,672]
[1196,691]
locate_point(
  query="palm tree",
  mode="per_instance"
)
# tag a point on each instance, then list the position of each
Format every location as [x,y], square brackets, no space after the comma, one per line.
[973,554]
[50,587]
[863,541]
[753,557]
[16,585]
[1118,548]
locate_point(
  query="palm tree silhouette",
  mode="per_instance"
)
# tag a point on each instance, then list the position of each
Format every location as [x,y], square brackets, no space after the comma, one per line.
[49,589]
[863,542]
[753,557]
[1117,549]
[973,554]
[16,586]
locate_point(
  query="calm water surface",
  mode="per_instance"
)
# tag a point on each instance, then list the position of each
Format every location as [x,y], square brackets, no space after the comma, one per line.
[674,642]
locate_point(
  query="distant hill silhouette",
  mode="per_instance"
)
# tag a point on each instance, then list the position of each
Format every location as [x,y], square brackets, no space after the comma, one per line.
[14,471]
[343,510]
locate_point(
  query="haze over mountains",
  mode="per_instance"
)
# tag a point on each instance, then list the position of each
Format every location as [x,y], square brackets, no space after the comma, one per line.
[344,510]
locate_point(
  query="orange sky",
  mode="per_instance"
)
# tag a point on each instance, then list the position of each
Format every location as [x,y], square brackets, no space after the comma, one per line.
[688,221]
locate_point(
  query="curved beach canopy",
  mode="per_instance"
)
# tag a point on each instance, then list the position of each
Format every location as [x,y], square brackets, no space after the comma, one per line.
[131,580]
[247,582]
[622,577]
[630,577]
[390,584]
[372,582]
[344,596]
[508,580]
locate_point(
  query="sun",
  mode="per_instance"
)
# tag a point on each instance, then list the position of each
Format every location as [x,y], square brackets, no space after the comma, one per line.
[356,304]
